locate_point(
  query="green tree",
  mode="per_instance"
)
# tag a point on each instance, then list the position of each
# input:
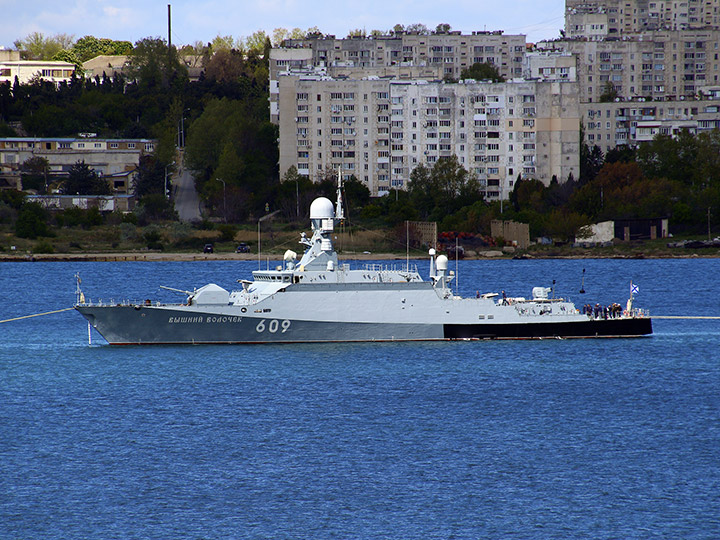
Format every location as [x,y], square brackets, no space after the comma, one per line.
[279,35]
[155,207]
[149,177]
[442,190]
[234,140]
[609,93]
[35,171]
[482,72]
[226,65]
[257,42]
[155,65]
[442,28]
[591,161]
[669,157]
[417,28]
[32,221]
[36,46]
[82,180]
[226,43]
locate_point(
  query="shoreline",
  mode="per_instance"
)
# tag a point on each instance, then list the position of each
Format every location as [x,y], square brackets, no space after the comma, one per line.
[149,256]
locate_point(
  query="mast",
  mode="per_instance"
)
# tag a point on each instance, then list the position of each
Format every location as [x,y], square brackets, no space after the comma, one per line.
[339,204]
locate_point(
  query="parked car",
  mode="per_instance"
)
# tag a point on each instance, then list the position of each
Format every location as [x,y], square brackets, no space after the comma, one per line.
[242,248]
[208,248]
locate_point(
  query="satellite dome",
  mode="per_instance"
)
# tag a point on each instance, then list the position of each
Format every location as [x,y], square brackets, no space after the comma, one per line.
[322,208]
[442,262]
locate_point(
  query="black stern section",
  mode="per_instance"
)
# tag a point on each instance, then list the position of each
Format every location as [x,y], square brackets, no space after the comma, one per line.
[592,328]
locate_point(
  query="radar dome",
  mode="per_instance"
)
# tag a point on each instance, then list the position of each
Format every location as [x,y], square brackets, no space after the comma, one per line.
[322,208]
[442,262]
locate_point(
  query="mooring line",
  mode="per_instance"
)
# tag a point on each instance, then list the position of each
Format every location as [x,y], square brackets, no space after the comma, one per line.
[683,317]
[36,315]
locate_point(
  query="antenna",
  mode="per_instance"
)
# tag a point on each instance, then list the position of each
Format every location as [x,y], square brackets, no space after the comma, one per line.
[339,205]
[457,268]
[407,246]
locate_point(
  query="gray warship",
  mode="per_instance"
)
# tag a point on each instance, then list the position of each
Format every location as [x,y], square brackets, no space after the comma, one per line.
[318,299]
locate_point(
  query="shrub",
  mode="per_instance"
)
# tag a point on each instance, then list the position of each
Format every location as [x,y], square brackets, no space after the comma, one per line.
[44,246]
[227,232]
[31,221]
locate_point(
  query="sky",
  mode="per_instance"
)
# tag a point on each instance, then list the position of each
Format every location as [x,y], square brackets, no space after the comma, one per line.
[202,20]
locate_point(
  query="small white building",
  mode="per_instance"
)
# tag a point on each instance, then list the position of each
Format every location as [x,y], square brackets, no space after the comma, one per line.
[26,70]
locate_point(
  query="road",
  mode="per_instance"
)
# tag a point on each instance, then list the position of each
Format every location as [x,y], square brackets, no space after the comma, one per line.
[187,202]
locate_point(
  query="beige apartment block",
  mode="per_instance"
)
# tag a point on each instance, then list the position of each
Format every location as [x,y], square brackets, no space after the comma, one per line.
[663,65]
[452,51]
[114,159]
[598,19]
[629,123]
[550,66]
[379,130]
[403,56]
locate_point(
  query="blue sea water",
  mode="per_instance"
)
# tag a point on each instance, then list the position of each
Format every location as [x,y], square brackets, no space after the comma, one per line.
[460,440]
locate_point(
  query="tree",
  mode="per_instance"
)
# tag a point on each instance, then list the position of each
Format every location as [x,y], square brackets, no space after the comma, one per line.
[398,29]
[155,65]
[481,72]
[442,190]
[357,33]
[155,207]
[609,93]
[149,177]
[591,161]
[68,56]
[669,157]
[35,173]
[89,47]
[225,43]
[442,28]
[417,28]
[35,46]
[226,65]
[235,141]
[31,221]
[257,41]
[278,36]
[82,180]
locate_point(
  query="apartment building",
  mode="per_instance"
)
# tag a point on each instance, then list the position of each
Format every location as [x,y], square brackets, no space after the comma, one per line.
[379,130]
[550,66]
[452,51]
[601,19]
[629,123]
[663,65]
[114,159]
[402,55]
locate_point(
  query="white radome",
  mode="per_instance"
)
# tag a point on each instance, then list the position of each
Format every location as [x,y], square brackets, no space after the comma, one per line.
[322,208]
[442,262]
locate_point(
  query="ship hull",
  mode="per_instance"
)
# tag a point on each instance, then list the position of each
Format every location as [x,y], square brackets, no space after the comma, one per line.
[143,325]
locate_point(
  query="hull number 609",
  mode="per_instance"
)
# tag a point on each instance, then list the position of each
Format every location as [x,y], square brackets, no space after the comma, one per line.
[273,326]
